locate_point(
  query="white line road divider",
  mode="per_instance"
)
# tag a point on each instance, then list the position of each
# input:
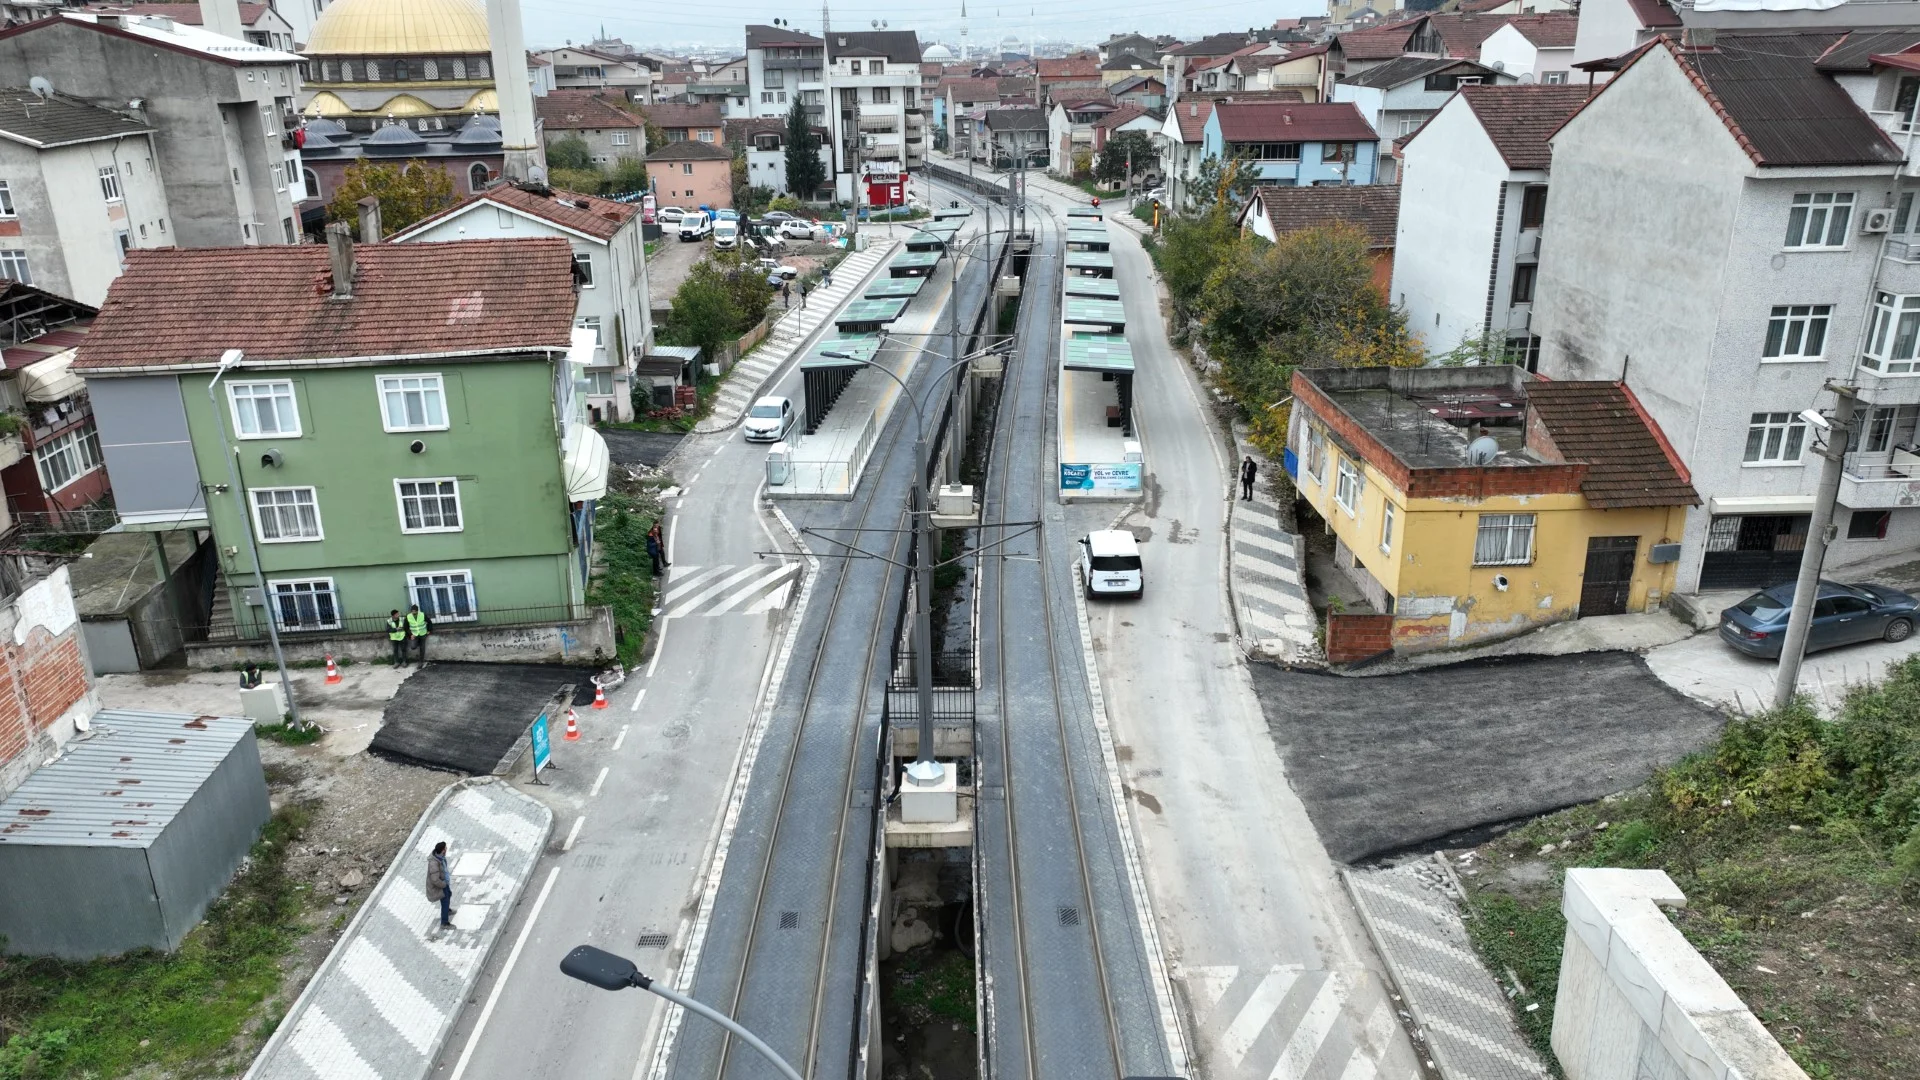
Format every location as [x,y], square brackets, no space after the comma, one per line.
[506,972]
[574,833]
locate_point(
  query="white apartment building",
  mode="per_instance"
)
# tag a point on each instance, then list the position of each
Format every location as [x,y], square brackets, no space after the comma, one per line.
[871,77]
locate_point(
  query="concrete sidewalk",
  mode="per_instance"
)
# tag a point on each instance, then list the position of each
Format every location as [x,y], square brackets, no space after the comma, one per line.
[1266,564]
[382,1003]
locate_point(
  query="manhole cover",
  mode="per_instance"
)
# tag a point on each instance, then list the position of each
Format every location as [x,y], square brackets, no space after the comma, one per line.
[652,940]
[1069,916]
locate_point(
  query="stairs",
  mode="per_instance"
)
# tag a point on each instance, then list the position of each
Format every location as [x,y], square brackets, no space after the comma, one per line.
[220,619]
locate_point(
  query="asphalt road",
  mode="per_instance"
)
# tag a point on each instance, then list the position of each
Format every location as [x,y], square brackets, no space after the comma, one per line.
[640,447]
[1386,763]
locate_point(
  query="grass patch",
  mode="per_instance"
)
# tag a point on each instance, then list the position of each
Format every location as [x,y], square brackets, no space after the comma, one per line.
[934,984]
[625,583]
[1009,316]
[179,1012]
[1794,839]
[674,418]
[288,736]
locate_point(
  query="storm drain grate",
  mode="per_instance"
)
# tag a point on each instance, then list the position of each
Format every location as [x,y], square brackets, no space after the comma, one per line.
[1069,916]
[652,940]
[789,920]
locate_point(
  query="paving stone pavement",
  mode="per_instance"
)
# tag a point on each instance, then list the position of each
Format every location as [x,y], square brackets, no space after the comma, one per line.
[790,333]
[1411,912]
[1276,618]
[385,998]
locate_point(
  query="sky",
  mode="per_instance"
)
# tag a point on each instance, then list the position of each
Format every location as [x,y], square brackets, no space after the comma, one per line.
[722,22]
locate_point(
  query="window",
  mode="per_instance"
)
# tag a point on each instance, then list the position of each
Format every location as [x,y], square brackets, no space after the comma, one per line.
[882,95]
[619,138]
[430,70]
[286,227]
[445,595]
[1411,124]
[589,322]
[125,240]
[263,409]
[110,182]
[305,605]
[1504,540]
[329,72]
[776,78]
[876,67]
[1868,524]
[283,515]
[66,458]
[1553,78]
[1271,151]
[279,176]
[1533,206]
[6,200]
[600,382]
[1819,219]
[1317,455]
[853,67]
[706,134]
[1797,332]
[311,181]
[346,71]
[1891,335]
[13,266]
[1775,439]
[1523,275]
[1337,151]
[1386,528]
[1904,99]
[1884,422]
[429,505]
[481,68]
[766,97]
[401,73]
[686,169]
[780,96]
[459,69]
[583,269]
[413,403]
[373,71]
[1347,488]
[477,177]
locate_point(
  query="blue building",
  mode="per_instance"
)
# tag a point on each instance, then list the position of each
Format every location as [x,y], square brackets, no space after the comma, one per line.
[1293,144]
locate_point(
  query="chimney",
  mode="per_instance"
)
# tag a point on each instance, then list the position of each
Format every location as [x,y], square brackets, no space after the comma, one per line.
[340,253]
[523,152]
[370,220]
[222,17]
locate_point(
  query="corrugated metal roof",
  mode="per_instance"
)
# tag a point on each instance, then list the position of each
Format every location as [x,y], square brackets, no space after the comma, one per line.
[1783,109]
[863,311]
[121,784]
[1080,309]
[1096,352]
[1097,287]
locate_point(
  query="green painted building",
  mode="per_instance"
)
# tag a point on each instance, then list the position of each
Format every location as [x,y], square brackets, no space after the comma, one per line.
[418,437]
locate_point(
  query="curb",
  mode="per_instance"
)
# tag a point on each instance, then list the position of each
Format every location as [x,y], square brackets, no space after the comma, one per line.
[1422,1045]
[289,1021]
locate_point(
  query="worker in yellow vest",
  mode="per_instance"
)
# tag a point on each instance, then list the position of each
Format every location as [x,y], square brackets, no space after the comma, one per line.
[397,636]
[417,629]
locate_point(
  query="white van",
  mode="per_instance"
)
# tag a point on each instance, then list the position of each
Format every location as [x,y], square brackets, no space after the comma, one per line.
[726,234]
[695,225]
[1110,564]
[769,420]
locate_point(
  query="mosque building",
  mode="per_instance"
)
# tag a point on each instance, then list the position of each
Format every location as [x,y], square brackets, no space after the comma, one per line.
[425,64]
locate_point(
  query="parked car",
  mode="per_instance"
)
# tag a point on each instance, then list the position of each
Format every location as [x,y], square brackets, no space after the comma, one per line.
[796,229]
[669,215]
[1842,615]
[726,215]
[769,420]
[695,226]
[1110,564]
[726,234]
[775,217]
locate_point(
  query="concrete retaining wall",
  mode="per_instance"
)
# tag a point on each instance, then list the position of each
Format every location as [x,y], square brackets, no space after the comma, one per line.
[1636,1001]
[528,643]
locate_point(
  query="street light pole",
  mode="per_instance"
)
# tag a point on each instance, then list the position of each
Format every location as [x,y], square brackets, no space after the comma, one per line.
[598,967]
[1806,588]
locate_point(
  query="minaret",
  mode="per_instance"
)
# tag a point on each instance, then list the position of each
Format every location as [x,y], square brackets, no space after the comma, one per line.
[524,154]
[963,31]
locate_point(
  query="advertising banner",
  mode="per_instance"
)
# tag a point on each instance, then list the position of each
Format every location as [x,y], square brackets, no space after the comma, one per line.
[1119,476]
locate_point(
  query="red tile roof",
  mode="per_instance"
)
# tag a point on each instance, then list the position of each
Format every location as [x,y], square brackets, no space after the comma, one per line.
[1519,118]
[1629,462]
[1375,208]
[1192,116]
[574,110]
[1126,113]
[1554,30]
[1276,121]
[1083,66]
[670,116]
[1382,42]
[689,150]
[1461,35]
[180,307]
[589,214]
[52,343]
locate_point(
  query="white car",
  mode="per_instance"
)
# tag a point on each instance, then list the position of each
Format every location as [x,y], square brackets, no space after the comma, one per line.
[695,226]
[669,215]
[726,234]
[770,419]
[796,229]
[1110,564]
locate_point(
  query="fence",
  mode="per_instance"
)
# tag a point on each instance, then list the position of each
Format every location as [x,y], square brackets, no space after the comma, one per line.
[82,522]
[312,622]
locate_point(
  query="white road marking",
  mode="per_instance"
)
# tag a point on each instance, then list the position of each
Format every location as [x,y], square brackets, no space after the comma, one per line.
[773,601]
[758,584]
[635,707]
[659,646]
[1254,1015]
[1374,1038]
[725,583]
[598,780]
[574,833]
[622,737]
[1310,1032]
[325,1049]
[506,972]
[681,587]
[1210,985]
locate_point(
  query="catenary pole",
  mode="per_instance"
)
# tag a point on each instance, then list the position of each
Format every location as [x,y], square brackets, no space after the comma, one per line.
[1819,531]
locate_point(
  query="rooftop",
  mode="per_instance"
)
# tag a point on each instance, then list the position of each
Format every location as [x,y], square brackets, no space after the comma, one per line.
[181,13]
[1405,69]
[1781,108]
[1016,120]
[1520,118]
[899,46]
[688,150]
[400,28]
[669,115]
[1374,208]
[575,110]
[589,214]
[178,308]
[1553,30]
[165,33]
[1276,121]
[57,120]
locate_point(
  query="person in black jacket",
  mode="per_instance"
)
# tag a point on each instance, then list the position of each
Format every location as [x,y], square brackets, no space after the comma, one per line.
[1248,470]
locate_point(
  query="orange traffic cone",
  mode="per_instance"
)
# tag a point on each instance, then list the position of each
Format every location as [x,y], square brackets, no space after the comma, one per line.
[599,698]
[333,673]
[573,727]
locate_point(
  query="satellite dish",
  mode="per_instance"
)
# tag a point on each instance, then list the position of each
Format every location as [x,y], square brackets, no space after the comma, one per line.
[1483,450]
[39,85]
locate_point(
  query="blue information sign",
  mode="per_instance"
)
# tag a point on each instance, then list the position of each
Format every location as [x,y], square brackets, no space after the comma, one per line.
[542,749]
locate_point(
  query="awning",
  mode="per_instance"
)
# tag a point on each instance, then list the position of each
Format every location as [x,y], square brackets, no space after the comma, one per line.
[1763,504]
[51,379]
[1108,354]
[585,463]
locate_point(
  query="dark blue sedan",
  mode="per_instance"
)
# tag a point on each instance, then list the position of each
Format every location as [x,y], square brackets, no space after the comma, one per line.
[1842,615]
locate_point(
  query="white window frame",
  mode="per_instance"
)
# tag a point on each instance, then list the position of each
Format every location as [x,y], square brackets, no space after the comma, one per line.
[1893,336]
[293,585]
[1348,487]
[594,376]
[1553,78]
[619,138]
[380,386]
[589,322]
[400,498]
[110,184]
[1317,455]
[1387,513]
[254,392]
[1823,215]
[81,446]
[6,201]
[1511,526]
[313,494]
[14,267]
[417,578]
[1776,432]
[584,261]
[1795,326]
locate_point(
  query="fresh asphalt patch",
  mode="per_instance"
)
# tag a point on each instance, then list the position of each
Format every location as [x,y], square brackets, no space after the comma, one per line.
[465,717]
[1386,763]
[648,448]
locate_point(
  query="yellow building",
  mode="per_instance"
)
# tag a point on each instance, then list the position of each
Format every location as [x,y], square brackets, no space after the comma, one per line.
[423,63]
[1475,503]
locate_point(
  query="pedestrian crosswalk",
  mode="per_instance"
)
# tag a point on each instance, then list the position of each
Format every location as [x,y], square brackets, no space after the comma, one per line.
[1286,1022]
[1274,612]
[728,590]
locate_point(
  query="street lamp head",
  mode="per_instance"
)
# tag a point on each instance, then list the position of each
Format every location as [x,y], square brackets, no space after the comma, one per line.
[231,357]
[1813,417]
[598,967]
[832,355]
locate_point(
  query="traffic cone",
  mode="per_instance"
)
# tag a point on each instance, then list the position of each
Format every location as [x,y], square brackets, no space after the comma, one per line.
[333,673]
[599,697]
[573,727]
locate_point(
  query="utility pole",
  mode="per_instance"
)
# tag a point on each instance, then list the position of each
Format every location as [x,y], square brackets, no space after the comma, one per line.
[1819,532]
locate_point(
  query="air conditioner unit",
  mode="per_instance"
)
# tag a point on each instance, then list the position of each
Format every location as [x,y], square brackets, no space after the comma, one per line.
[1877,221]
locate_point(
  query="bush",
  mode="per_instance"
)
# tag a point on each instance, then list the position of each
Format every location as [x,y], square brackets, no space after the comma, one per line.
[585,181]
[570,152]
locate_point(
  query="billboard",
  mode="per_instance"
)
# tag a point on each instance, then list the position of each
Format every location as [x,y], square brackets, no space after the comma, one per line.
[1118,476]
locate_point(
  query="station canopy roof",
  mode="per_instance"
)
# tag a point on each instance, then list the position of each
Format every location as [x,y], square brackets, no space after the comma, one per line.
[1086,212]
[1105,353]
[1097,287]
[862,311]
[887,287]
[863,346]
[1080,309]
[1094,259]
[916,259]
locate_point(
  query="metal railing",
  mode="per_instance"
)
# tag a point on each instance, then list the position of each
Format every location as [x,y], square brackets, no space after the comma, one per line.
[256,628]
[80,522]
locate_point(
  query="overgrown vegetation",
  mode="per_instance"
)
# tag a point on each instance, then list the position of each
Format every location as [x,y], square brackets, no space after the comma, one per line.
[179,1012]
[289,736]
[571,167]
[408,191]
[723,297]
[934,984]
[1134,146]
[1797,842]
[625,582]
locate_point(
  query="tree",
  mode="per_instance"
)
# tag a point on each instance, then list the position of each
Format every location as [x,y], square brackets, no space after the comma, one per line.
[1112,166]
[570,152]
[1229,182]
[1190,248]
[739,184]
[629,175]
[703,312]
[407,192]
[1082,164]
[806,173]
[588,181]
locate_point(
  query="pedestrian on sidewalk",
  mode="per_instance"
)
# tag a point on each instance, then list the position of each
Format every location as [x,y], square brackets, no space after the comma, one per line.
[655,553]
[659,532]
[250,678]
[826,279]
[786,293]
[805,288]
[439,884]
[397,636]
[1248,470]
[418,627]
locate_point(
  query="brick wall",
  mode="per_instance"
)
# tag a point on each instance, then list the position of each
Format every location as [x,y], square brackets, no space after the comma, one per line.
[43,676]
[1357,637]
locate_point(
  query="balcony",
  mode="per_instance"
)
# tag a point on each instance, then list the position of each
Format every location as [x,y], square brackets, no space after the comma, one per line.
[1885,486]
[887,124]
[1888,389]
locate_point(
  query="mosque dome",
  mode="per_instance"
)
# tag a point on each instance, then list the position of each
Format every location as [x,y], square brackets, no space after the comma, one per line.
[399,28]
[936,53]
[393,139]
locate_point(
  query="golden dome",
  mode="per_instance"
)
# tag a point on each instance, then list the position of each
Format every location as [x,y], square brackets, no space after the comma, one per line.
[485,101]
[400,28]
